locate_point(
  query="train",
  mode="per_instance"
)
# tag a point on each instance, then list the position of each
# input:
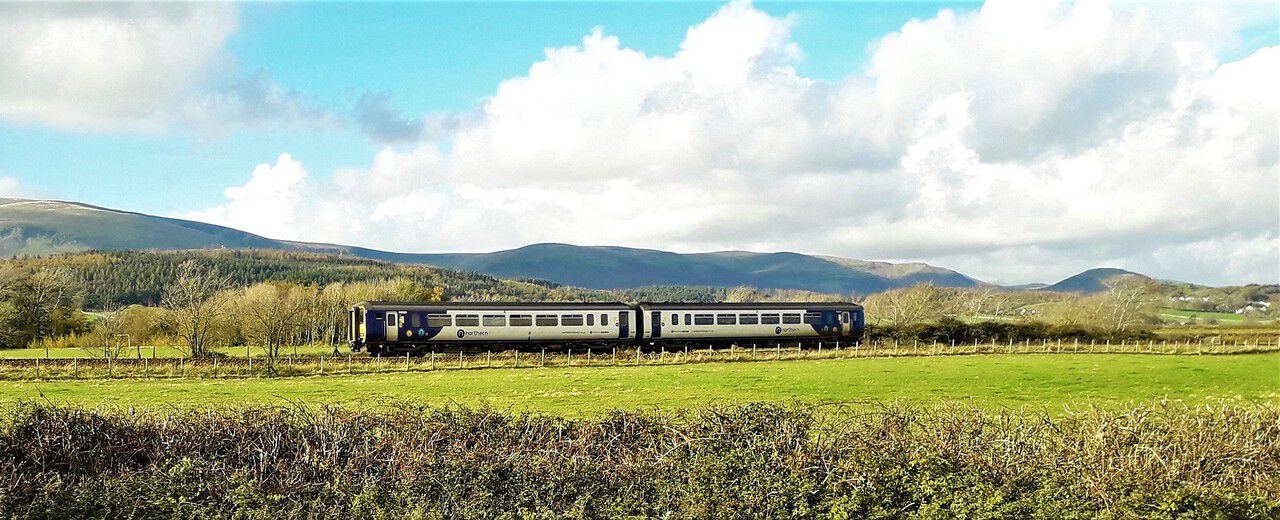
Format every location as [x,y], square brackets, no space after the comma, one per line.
[400,328]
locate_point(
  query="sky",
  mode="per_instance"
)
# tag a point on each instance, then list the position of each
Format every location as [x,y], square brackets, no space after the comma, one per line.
[1014,141]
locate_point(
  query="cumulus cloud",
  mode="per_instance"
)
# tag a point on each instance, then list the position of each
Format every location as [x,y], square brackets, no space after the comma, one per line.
[132,68]
[268,204]
[1017,142]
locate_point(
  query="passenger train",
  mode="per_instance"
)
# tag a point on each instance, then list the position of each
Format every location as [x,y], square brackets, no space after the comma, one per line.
[395,328]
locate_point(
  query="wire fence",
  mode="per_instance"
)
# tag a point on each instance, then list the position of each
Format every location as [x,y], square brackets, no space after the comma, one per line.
[45,369]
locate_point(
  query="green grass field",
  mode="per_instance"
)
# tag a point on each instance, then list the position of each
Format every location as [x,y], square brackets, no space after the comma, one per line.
[159,352]
[1039,381]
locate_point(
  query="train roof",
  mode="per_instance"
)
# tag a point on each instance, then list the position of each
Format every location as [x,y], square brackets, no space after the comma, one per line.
[384,305]
[754,305]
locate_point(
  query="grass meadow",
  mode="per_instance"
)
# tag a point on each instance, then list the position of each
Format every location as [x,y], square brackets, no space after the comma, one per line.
[1040,381]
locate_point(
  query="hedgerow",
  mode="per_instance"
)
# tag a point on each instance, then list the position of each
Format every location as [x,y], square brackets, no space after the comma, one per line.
[742,461]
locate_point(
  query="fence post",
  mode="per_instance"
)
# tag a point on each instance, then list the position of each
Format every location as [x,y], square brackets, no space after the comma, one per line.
[215,363]
[250,374]
[75,367]
[406,361]
[488,359]
[433,360]
[517,364]
[459,359]
[182,367]
[543,362]
[568,360]
[37,368]
[615,356]
[637,356]
[146,368]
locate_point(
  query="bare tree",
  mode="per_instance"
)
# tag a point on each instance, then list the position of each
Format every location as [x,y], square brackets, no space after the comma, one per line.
[193,306]
[916,304]
[109,328]
[271,316]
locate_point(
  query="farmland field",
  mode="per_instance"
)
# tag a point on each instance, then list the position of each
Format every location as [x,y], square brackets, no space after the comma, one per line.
[1049,381]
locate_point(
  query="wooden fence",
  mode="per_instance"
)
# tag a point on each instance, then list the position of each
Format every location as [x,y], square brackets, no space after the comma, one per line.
[294,366]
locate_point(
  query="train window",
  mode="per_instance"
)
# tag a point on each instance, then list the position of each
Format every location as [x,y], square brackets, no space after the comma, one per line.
[768,319]
[494,320]
[703,319]
[391,319]
[571,320]
[813,318]
[748,319]
[844,317]
[439,320]
[790,319]
[604,319]
[726,319]
[521,320]
[467,320]
[591,320]
[547,320]
[415,319]
[675,318]
[688,319]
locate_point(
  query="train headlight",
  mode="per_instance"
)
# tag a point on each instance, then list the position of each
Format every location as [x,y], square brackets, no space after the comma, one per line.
[409,333]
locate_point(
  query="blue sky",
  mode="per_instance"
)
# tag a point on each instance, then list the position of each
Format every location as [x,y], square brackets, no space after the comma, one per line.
[1007,139]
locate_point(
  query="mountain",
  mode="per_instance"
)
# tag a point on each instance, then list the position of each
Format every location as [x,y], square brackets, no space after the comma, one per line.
[1091,281]
[37,227]
[33,227]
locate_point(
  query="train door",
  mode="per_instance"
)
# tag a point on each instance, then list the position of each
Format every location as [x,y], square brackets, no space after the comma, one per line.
[393,326]
[655,324]
[624,325]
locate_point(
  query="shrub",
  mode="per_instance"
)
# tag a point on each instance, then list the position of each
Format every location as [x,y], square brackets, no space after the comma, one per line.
[751,460]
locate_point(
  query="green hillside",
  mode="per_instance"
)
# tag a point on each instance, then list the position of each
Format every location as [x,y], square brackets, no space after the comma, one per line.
[110,278]
[35,227]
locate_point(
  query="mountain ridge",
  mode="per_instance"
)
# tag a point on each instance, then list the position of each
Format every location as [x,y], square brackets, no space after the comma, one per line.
[30,227]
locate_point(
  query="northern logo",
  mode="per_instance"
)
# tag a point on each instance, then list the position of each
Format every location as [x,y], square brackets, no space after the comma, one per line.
[461,333]
[777,330]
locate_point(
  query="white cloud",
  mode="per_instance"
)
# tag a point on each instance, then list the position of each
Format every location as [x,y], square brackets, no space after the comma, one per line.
[1019,142]
[133,68]
[268,204]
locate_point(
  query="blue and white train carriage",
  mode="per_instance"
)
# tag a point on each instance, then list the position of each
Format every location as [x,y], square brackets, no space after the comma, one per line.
[380,327]
[745,322]
[393,327]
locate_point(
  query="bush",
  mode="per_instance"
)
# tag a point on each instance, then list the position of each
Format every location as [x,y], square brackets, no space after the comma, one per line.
[950,329]
[753,460]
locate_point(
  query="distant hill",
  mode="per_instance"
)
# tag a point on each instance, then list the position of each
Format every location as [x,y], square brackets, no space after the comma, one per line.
[34,227]
[606,267]
[1091,281]
[39,227]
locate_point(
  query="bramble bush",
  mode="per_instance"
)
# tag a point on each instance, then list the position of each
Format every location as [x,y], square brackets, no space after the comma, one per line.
[742,461]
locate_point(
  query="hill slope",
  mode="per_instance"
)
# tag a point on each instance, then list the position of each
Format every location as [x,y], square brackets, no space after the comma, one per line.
[1091,281]
[32,227]
[38,227]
